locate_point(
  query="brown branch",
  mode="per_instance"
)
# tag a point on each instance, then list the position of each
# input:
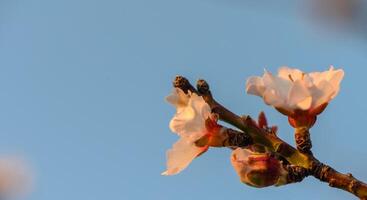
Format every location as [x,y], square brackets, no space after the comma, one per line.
[338,180]
[329,175]
[303,140]
[300,165]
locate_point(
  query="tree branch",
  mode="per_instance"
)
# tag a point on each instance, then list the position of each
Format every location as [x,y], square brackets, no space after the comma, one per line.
[300,165]
[338,180]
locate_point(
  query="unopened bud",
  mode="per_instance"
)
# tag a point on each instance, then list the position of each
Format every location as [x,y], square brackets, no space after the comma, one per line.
[257,169]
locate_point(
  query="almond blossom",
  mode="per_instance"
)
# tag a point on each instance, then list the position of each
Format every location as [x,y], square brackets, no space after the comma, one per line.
[258,169]
[293,91]
[192,122]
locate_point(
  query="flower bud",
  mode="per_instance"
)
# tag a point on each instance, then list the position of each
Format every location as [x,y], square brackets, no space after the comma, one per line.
[257,169]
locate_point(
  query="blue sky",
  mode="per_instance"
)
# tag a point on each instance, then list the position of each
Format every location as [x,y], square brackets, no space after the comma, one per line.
[82,87]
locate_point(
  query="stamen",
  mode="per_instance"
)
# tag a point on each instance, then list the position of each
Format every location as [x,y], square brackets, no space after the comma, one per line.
[290,77]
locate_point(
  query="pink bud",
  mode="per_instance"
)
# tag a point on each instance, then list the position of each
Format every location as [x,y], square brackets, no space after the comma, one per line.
[256,169]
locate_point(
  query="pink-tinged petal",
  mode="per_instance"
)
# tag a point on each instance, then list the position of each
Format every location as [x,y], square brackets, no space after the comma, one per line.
[317,77]
[199,104]
[184,121]
[190,120]
[335,80]
[239,161]
[323,93]
[290,73]
[181,155]
[337,77]
[271,97]
[240,155]
[280,85]
[255,86]
[299,97]
[331,75]
[178,98]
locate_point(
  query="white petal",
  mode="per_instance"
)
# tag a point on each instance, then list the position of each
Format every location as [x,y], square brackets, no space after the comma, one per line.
[336,79]
[271,97]
[280,85]
[177,98]
[180,156]
[317,77]
[332,76]
[239,161]
[299,97]
[255,86]
[291,74]
[200,106]
[323,93]
[190,121]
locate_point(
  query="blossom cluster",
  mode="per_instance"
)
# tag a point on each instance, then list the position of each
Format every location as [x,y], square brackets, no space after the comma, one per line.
[298,95]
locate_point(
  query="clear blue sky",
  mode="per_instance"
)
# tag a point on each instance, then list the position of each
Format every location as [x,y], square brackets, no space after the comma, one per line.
[82,85]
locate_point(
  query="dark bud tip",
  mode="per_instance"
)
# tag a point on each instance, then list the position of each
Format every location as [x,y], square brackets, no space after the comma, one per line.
[202,86]
[182,83]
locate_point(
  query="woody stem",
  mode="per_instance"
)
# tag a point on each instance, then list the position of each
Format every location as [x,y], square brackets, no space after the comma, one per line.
[303,139]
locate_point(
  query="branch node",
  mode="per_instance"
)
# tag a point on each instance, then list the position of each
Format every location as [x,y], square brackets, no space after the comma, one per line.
[350,175]
[238,140]
[296,173]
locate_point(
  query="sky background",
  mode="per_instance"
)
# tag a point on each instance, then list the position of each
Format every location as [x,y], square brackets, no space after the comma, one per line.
[82,87]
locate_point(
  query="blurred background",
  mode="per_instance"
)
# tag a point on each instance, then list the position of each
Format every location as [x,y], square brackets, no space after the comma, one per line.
[82,87]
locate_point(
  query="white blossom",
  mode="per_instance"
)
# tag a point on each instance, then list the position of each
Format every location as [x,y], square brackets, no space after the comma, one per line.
[293,89]
[189,123]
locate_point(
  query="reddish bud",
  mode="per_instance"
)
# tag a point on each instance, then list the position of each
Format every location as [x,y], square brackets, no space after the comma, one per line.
[256,169]
[274,129]
[262,121]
